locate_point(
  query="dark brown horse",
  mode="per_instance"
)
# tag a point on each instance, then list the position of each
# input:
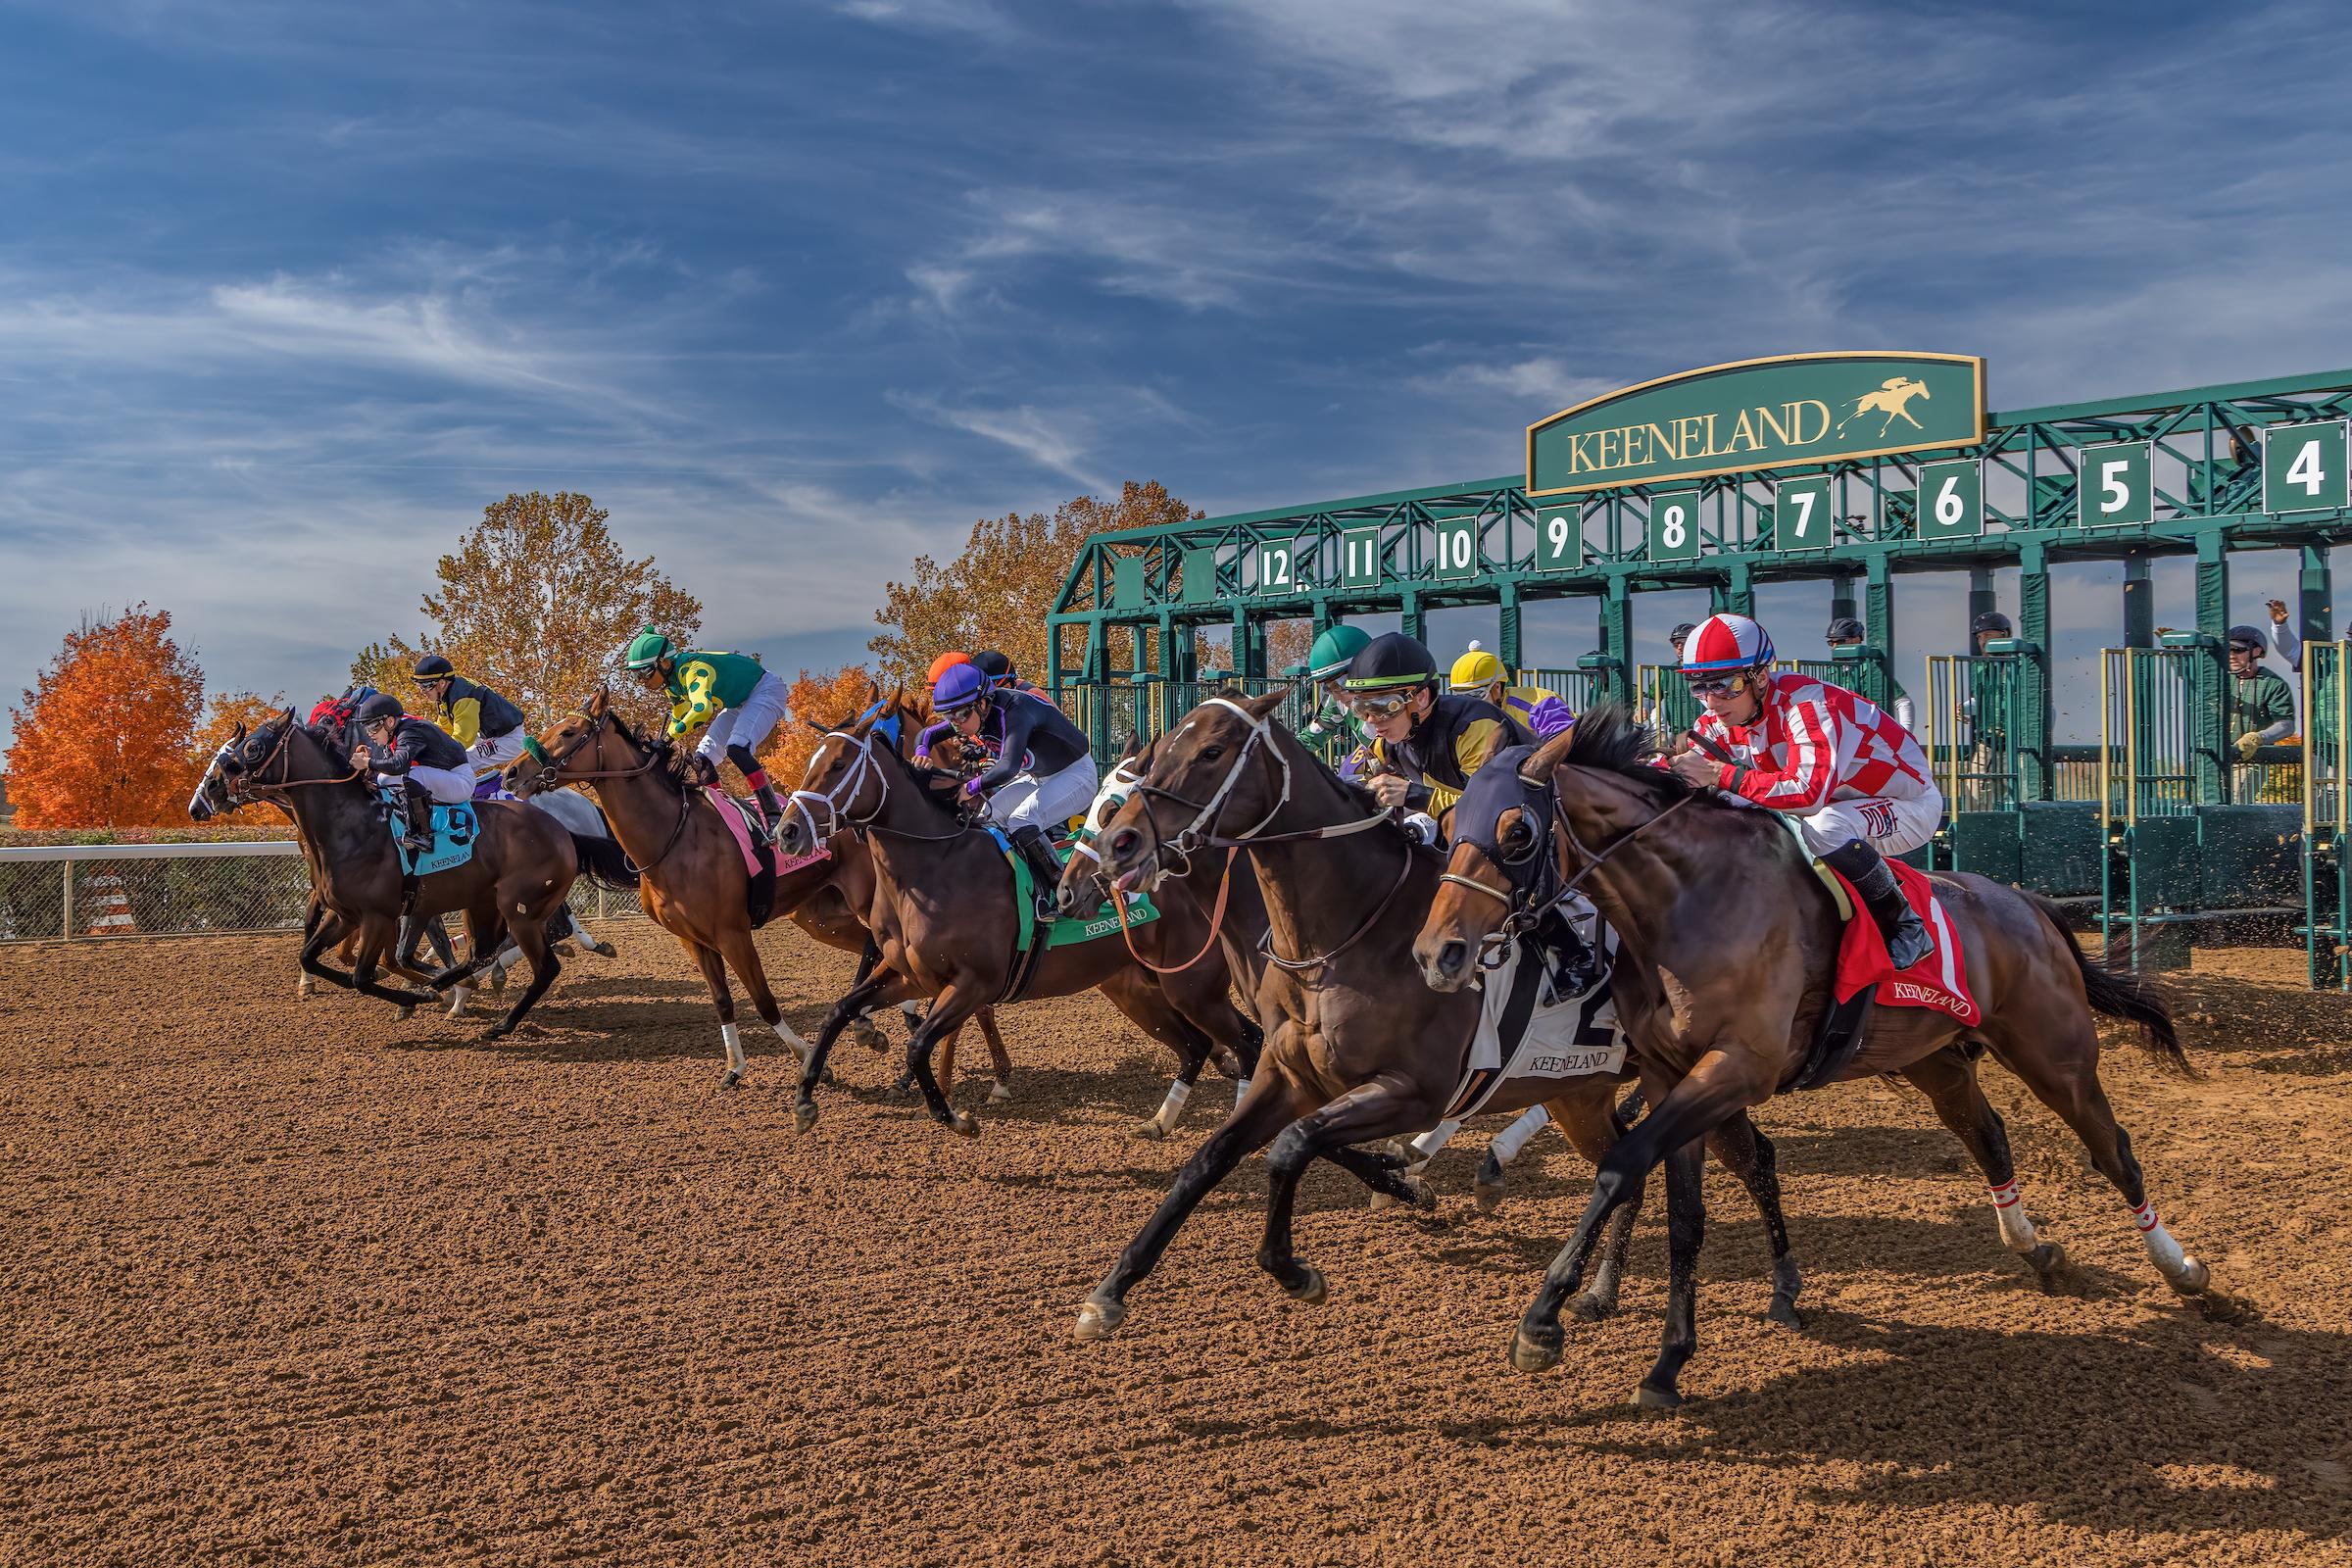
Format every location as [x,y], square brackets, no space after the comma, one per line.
[945,915]
[1357,1047]
[524,865]
[1729,944]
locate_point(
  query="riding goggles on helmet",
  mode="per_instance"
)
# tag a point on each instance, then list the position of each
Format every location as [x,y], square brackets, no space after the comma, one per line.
[1711,684]
[1377,706]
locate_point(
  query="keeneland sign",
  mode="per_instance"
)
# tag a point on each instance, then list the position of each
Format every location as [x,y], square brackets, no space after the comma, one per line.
[1759,414]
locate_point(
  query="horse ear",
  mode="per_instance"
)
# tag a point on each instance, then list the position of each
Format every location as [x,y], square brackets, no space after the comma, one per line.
[1549,758]
[1497,739]
[873,690]
[602,699]
[1263,705]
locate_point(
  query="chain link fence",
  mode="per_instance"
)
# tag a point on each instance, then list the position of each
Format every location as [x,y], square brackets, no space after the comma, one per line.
[100,891]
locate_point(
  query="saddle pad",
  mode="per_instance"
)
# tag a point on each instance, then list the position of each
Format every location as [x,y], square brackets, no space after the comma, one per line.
[455,830]
[1064,930]
[1521,1035]
[757,856]
[1938,981]
[1838,891]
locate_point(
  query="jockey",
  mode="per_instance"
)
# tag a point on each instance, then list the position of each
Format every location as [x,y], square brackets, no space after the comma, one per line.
[486,724]
[421,756]
[943,663]
[1541,712]
[999,670]
[740,702]
[1855,779]
[1432,743]
[1043,776]
[1336,648]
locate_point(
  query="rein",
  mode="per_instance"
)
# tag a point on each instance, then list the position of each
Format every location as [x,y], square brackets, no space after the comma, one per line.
[553,770]
[284,736]
[837,806]
[1216,921]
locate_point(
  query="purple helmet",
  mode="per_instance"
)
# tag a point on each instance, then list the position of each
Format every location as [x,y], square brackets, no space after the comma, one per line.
[959,686]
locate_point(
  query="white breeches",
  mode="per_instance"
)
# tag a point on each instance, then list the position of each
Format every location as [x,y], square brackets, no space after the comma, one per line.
[1049,803]
[750,725]
[492,753]
[446,785]
[1888,825]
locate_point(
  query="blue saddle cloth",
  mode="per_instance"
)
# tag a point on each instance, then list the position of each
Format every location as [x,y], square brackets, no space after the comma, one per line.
[455,829]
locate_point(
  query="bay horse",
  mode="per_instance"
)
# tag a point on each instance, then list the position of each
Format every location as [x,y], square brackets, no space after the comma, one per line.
[1357,1047]
[521,869]
[827,898]
[1728,943]
[944,917]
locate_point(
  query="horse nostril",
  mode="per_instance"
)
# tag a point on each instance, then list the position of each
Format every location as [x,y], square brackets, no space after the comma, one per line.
[1451,958]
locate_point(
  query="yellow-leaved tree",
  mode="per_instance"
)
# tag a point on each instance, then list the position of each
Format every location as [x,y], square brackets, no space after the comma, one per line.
[103,736]
[998,593]
[535,603]
[828,697]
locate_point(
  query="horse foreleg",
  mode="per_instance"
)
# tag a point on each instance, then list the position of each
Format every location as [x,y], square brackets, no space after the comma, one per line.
[882,983]
[1383,1108]
[1741,1145]
[375,934]
[742,953]
[531,936]
[1585,1119]
[1685,1232]
[1268,1108]
[954,1004]
[713,965]
[998,1061]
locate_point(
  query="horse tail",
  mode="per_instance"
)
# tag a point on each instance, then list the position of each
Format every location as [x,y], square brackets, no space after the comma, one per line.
[603,862]
[2114,989]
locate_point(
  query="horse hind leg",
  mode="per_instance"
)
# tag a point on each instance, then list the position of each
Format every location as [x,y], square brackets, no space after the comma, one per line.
[999,1062]
[531,937]
[1504,1148]
[1949,1081]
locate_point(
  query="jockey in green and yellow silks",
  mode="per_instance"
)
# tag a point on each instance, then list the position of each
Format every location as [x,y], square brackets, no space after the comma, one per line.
[729,697]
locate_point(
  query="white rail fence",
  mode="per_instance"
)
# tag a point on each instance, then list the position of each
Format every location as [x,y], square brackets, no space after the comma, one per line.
[93,891]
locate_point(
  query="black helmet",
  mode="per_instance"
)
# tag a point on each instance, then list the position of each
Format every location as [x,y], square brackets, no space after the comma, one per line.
[1681,634]
[1845,629]
[383,704]
[1991,621]
[2247,637]
[1390,663]
[433,666]
[995,666]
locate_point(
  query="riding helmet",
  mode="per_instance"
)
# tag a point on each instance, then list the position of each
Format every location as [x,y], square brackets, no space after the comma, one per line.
[1475,670]
[1389,662]
[941,666]
[1727,642]
[2247,637]
[995,666]
[382,706]
[433,666]
[959,686]
[1991,621]
[646,650]
[1681,635]
[1845,629]
[1336,648]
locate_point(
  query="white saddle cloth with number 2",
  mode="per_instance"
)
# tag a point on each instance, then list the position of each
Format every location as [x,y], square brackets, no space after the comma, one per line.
[1566,1037]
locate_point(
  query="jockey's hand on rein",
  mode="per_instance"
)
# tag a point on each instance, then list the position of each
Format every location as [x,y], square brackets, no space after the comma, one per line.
[1695,767]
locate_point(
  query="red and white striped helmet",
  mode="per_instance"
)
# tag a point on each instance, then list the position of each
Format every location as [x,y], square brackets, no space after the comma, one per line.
[1726,642]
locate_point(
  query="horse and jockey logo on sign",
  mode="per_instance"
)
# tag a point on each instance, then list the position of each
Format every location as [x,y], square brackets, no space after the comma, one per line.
[1890,398]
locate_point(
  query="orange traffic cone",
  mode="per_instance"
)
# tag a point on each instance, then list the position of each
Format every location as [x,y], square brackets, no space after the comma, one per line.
[108,907]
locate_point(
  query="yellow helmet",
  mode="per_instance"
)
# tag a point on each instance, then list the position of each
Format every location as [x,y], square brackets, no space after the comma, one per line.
[1475,670]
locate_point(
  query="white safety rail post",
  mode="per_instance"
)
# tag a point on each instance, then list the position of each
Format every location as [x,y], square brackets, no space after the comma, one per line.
[65,925]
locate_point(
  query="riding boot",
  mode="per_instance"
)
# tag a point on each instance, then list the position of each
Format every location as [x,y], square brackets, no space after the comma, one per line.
[769,808]
[1031,841]
[1908,940]
[1576,965]
[419,840]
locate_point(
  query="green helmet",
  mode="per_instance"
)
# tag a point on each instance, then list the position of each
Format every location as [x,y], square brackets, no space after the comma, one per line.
[1333,651]
[646,650]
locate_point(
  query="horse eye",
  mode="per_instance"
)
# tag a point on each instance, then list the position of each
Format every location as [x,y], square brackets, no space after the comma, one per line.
[1209,753]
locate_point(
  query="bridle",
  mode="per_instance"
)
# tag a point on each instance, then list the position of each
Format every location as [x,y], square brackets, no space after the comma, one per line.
[235,780]
[838,798]
[550,771]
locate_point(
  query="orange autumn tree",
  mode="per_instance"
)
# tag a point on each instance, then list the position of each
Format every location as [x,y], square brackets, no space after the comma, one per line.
[103,736]
[826,698]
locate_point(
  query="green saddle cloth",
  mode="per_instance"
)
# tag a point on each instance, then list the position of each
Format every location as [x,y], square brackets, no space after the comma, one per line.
[1064,930]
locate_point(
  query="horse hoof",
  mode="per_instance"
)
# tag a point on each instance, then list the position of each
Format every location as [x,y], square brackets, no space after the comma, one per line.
[866,1035]
[1587,1307]
[732,1078]
[1783,1312]
[964,1125]
[405,1012]
[1099,1319]
[1649,1396]
[497,1031]
[1490,1198]
[804,1119]
[1311,1287]
[1419,1194]
[2192,1279]
[2220,1306]
[1149,1130]
[1537,1351]
[2049,1261]
[997,1094]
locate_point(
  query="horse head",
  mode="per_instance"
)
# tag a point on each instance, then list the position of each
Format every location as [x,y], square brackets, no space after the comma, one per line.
[1083,885]
[845,782]
[1219,773]
[1499,869]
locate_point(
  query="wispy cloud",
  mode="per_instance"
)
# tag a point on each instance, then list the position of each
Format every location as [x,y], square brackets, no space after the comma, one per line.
[1056,441]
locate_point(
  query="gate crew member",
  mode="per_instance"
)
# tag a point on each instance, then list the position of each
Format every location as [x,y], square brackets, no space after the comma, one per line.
[1540,711]
[2262,711]
[1856,780]
[1847,632]
[485,724]
[1043,778]
[741,704]
[420,756]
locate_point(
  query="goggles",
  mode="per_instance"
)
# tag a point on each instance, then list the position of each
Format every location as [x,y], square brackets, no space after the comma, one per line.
[1717,685]
[1377,706]
[961,710]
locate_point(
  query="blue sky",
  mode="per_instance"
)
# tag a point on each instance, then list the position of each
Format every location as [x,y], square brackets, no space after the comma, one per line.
[289,292]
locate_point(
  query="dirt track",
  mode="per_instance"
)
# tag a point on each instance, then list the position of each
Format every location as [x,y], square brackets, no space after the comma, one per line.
[293,1280]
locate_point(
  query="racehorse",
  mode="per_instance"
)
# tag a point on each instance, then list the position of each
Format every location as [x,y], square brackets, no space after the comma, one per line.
[828,897]
[1728,943]
[945,916]
[1357,1047]
[524,865]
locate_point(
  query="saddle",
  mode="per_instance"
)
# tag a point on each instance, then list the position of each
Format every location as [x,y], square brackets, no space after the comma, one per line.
[762,862]
[1061,932]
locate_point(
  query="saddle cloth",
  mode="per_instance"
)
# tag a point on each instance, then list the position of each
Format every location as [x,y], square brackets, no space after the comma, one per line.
[1063,930]
[1940,981]
[1526,1032]
[747,829]
[455,830]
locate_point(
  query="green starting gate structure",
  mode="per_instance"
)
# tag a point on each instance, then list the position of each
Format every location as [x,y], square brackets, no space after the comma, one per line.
[1861,470]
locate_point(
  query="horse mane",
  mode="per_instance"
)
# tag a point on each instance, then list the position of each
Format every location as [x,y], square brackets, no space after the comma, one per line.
[1612,738]
[1353,791]
[662,747]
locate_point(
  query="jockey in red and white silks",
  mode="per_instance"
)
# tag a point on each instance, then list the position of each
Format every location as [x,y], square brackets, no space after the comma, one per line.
[1856,780]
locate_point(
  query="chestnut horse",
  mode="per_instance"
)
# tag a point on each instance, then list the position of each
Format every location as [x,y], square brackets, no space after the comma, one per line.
[1729,944]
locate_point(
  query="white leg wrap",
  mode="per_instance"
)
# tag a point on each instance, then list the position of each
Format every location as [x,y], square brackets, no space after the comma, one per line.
[1171,1110]
[2163,1250]
[1512,1139]
[2009,1209]
[1437,1138]
[457,999]
[736,1060]
[1240,1090]
[785,1034]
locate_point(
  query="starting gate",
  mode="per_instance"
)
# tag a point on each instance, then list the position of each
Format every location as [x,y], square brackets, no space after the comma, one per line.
[2326,815]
